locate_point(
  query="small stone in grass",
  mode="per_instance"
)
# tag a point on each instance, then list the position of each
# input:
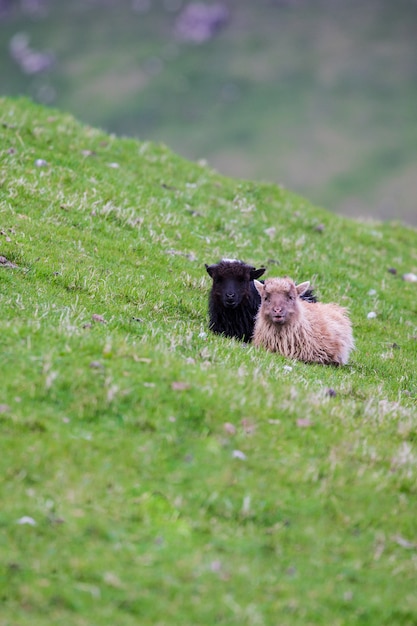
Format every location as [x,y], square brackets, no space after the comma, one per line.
[319,228]
[392,270]
[26,520]
[405,543]
[96,365]
[229,428]
[331,392]
[410,277]
[248,427]
[4,408]
[304,422]
[98,318]
[13,566]
[371,315]
[6,263]
[215,566]
[180,386]
[238,454]
[41,163]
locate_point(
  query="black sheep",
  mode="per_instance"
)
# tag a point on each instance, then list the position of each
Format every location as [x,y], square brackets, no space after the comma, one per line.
[234,300]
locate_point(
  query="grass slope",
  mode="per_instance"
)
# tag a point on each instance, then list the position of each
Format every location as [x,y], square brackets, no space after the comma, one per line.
[317,96]
[171,476]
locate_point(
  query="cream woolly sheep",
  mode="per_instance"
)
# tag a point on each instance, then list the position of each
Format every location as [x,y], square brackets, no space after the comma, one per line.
[313,333]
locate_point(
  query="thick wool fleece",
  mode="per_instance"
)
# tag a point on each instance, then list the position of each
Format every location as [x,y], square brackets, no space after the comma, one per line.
[233,299]
[313,333]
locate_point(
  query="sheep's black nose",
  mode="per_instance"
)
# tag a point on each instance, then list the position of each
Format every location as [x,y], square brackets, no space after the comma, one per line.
[230,299]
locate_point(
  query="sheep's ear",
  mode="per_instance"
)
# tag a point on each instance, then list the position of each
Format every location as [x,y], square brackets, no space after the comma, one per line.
[259,287]
[256,273]
[210,269]
[302,287]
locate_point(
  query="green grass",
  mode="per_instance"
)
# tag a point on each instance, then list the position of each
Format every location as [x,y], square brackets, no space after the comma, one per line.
[144,512]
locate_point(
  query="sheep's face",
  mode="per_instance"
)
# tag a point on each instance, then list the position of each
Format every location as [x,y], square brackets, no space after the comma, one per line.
[232,282]
[280,299]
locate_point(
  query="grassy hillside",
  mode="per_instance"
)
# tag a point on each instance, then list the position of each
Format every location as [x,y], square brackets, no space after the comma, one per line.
[318,96]
[153,473]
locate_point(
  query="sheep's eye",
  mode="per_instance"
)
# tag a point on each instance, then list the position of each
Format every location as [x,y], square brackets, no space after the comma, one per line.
[290,296]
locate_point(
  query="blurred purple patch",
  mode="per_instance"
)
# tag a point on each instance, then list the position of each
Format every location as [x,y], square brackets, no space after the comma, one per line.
[34,8]
[30,61]
[200,22]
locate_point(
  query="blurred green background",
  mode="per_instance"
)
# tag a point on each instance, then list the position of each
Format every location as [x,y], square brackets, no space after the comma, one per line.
[317,95]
